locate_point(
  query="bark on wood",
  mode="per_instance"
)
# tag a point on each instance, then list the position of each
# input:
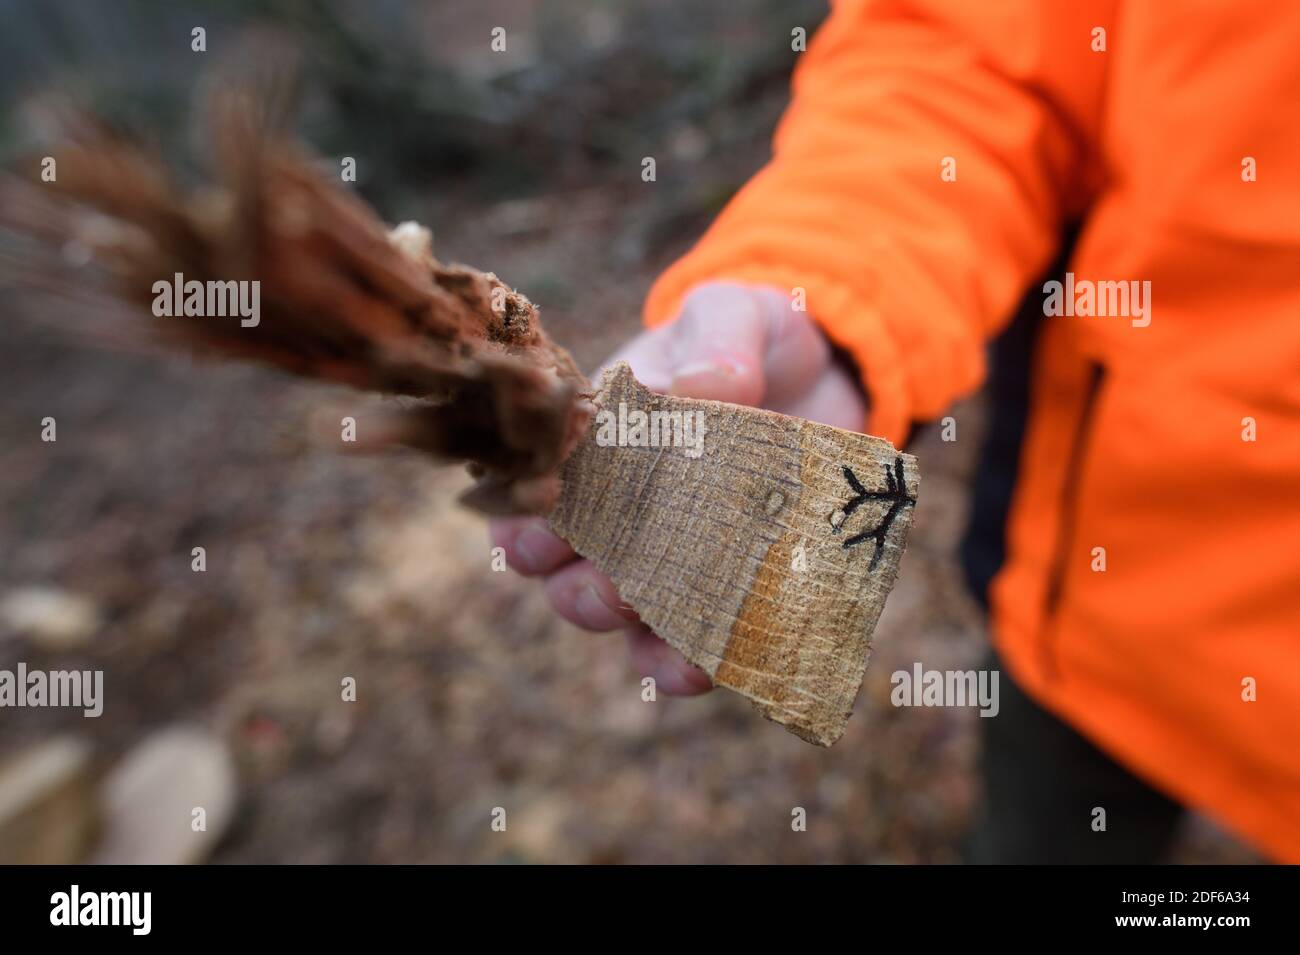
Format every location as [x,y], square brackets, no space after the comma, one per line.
[766,560]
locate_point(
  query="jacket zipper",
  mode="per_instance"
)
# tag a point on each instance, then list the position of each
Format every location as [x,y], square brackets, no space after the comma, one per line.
[1069,513]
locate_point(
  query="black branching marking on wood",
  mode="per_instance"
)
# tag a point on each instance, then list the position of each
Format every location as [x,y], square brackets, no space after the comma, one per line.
[895,493]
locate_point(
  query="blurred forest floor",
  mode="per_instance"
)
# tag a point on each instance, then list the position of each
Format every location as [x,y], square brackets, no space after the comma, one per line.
[470,694]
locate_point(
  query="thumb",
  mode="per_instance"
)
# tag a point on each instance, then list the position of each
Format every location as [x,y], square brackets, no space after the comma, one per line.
[717,345]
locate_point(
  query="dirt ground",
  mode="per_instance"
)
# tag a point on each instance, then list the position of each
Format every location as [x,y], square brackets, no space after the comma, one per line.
[471,695]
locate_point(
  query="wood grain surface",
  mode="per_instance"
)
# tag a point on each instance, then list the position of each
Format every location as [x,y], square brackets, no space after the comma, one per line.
[759,545]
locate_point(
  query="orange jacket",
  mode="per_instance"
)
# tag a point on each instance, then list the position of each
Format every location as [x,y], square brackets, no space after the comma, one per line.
[1157,138]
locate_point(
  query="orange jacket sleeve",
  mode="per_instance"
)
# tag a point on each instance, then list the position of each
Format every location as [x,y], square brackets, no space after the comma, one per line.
[906,271]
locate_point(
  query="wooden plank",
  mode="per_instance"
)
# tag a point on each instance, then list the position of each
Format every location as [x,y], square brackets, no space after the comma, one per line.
[762,549]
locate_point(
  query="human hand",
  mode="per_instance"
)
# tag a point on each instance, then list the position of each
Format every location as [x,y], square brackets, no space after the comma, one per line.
[735,343]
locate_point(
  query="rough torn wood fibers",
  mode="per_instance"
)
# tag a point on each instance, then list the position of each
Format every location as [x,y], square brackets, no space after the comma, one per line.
[762,547]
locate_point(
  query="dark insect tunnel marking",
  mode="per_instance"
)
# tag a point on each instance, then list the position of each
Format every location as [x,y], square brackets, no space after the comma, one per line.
[895,493]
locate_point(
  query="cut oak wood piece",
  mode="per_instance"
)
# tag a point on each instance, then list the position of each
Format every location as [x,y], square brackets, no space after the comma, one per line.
[759,545]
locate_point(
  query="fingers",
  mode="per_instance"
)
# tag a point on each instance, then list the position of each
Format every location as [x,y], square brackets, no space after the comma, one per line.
[796,355]
[717,344]
[672,674]
[835,399]
[584,596]
[738,343]
[531,549]
[578,592]
[746,345]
